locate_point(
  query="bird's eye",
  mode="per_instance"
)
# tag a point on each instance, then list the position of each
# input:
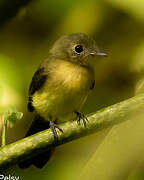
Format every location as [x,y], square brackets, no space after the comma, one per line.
[78,48]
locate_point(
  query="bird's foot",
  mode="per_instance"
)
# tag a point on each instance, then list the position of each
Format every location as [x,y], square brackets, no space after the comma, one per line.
[53,127]
[81,116]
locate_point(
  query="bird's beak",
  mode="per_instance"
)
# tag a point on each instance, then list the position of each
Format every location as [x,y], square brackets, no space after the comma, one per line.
[98,54]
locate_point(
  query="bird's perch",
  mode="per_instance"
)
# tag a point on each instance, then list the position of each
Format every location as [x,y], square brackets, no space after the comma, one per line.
[30,146]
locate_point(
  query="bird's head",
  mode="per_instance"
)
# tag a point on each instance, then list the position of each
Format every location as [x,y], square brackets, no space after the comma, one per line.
[77,48]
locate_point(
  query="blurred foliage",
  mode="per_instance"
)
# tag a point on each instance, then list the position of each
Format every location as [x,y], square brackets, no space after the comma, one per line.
[10,117]
[9,9]
[119,153]
[118,28]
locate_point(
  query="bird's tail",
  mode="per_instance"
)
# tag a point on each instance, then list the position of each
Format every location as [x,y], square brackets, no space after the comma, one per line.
[40,160]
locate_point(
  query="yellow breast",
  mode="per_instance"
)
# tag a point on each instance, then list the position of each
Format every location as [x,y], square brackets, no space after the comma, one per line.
[65,90]
[69,74]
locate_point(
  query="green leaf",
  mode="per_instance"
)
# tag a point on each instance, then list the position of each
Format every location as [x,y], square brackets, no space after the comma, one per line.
[11,116]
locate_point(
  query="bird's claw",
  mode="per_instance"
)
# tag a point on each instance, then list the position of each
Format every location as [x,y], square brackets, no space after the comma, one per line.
[53,127]
[81,116]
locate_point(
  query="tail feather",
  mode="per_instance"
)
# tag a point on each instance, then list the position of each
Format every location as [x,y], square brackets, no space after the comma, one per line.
[40,160]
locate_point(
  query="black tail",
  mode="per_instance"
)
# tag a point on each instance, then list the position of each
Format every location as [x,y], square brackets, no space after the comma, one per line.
[40,160]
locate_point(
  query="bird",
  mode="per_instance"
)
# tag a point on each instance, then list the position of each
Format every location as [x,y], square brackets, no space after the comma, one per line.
[60,87]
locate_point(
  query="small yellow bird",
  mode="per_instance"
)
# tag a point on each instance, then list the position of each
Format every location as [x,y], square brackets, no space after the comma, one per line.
[60,87]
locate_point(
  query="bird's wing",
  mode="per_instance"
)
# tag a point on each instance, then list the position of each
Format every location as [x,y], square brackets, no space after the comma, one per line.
[37,82]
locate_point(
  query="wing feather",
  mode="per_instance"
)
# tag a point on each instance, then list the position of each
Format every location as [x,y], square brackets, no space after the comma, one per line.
[37,83]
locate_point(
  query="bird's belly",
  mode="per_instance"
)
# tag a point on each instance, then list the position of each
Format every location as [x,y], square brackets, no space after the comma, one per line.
[64,92]
[59,103]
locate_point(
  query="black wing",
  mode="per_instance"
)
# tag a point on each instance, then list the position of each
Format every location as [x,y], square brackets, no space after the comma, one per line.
[93,85]
[37,82]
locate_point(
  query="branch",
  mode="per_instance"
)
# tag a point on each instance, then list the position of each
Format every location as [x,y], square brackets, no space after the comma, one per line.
[33,145]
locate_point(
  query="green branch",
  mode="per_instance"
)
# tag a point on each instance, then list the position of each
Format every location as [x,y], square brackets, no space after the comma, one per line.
[30,146]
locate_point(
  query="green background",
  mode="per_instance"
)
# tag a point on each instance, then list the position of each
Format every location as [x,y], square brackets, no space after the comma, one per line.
[118,28]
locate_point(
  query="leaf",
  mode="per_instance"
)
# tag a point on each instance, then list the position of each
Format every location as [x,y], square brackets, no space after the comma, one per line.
[11,116]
